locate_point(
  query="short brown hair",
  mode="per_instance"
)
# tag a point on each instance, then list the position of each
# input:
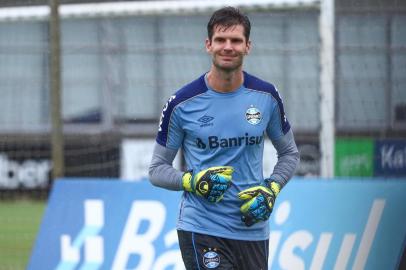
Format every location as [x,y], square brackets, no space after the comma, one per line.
[227,17]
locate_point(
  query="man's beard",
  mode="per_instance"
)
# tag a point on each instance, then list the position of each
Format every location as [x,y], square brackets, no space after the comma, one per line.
[237,65]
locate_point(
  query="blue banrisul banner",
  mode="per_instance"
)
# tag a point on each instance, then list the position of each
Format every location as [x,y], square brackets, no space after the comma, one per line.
[329,224]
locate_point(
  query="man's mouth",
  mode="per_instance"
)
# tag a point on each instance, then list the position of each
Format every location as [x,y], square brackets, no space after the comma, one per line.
[227,57]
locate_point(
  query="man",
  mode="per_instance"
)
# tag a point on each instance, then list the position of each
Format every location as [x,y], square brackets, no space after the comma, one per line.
[219,120]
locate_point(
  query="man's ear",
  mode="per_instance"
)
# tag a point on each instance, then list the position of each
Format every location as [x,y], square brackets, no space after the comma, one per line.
[208,45]
[248,47]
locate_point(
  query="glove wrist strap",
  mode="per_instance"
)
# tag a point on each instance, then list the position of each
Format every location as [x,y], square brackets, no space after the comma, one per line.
[273,185]
[187,181]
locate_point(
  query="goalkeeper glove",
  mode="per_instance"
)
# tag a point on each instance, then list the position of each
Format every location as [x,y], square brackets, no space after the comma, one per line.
[261,200]
[210,183]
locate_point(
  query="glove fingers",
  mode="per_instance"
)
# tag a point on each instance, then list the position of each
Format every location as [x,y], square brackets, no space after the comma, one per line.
[249,206]
[259,204]
[219,182]
[220,179]
[226,177]
[213,182]
[256,209]
[218,188]
[213,189]
[253,192]
[248,193]
[226,170]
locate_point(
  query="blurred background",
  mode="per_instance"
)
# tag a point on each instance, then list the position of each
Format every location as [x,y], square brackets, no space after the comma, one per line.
[120,63]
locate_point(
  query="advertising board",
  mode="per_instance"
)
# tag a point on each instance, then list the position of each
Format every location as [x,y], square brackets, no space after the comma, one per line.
[335,224]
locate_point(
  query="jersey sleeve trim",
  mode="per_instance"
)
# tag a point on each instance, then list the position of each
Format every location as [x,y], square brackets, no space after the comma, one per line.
[256,84]
[187,92]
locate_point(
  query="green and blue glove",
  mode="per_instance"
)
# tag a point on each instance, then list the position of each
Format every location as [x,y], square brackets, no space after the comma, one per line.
[210,183]
[260,201]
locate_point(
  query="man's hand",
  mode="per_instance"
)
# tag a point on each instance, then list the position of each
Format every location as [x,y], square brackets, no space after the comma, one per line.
[260,202]
[210,183]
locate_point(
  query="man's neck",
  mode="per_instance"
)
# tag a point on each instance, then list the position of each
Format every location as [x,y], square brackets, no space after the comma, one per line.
[223,81]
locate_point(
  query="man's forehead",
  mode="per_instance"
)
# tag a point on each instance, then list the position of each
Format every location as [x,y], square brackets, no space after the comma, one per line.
[228,28]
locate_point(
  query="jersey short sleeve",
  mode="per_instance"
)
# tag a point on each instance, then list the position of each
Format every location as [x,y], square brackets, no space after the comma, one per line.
[170,133]
[278,124]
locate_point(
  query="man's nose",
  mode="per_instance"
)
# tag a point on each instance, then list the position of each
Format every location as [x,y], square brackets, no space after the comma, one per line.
[227,45]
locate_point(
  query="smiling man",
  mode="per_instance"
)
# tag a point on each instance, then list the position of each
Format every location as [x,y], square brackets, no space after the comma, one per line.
[219,120]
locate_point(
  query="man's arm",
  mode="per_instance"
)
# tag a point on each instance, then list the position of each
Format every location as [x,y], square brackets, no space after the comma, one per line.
[288,158]
[260,200]
[210,183]
[161,172]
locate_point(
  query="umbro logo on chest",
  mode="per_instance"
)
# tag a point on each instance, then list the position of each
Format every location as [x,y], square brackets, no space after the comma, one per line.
[206,121]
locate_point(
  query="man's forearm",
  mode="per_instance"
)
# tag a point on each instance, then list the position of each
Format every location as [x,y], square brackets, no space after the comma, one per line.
[288,158]
[161,172]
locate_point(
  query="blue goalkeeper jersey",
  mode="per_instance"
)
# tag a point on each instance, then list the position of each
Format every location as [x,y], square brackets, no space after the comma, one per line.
[222,129]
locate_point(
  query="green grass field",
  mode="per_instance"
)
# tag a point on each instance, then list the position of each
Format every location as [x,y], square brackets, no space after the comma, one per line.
[19,224]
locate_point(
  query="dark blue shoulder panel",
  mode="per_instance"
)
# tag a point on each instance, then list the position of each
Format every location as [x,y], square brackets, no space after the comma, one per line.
[254,83]
[190,90]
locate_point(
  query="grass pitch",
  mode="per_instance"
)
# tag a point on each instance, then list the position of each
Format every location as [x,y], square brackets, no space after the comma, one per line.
[19,224]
